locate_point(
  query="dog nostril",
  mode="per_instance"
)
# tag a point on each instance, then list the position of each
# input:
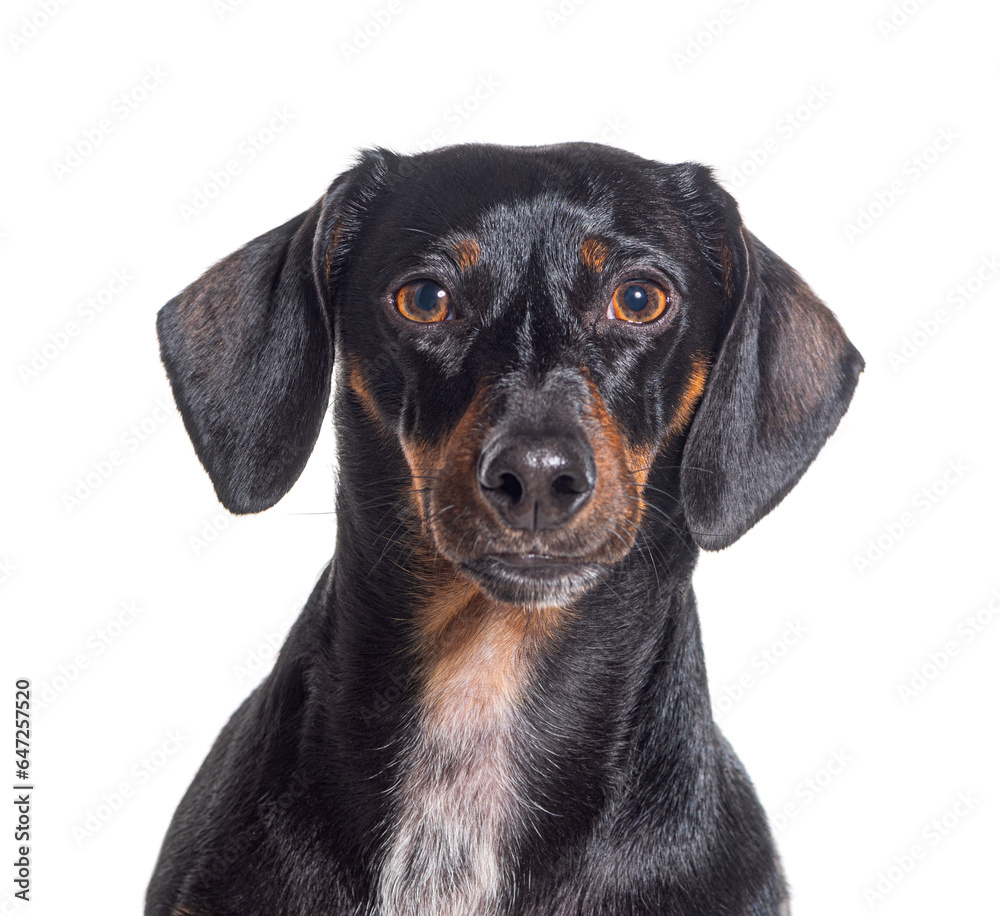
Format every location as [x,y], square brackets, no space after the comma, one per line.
[511,486]
[566,485]
[536,482]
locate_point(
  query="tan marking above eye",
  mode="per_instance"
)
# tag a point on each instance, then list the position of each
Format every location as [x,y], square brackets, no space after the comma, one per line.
[466,253]
[423,301]
[638,302]
[594,252]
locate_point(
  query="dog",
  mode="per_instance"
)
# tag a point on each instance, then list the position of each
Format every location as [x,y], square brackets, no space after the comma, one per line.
[557,373]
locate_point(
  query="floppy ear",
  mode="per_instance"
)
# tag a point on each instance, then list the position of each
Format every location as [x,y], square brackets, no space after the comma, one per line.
[249,351]
[782,380]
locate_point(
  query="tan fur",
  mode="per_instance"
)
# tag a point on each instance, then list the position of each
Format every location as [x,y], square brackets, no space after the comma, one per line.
[459,794]
[594,253]
[466,253]
[359,388]
[691,395]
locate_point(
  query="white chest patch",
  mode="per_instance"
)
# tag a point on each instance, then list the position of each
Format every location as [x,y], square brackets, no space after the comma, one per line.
[459,801]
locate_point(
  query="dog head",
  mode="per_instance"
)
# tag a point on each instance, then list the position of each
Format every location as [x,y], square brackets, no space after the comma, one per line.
[558,342]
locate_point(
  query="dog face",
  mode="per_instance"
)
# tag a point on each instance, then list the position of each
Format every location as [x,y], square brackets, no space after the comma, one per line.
[556,340]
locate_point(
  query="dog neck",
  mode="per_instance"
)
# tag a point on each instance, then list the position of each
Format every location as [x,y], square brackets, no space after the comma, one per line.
[486,735]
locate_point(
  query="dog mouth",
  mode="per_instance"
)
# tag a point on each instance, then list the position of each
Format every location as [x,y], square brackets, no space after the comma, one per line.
[535,561]
[541,494]
[533,579]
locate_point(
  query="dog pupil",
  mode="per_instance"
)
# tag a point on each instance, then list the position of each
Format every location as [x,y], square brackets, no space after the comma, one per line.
[636,298]
[426,296]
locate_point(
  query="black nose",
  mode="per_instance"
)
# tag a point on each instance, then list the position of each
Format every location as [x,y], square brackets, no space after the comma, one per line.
[537,482]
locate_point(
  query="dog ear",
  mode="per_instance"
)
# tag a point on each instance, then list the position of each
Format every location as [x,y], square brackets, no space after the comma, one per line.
[248,349]
[782,380]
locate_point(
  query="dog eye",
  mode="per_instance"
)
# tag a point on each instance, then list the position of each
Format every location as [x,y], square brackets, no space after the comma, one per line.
[424,301]
[638,301]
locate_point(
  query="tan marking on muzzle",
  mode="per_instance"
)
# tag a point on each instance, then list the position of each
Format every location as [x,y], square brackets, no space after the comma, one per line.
[621,468]
[460,450]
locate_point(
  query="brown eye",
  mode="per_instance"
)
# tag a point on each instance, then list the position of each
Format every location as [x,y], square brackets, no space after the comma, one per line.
[638,301]
[423,301]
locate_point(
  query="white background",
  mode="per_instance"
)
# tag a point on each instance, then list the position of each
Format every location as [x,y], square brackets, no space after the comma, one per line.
[819,118]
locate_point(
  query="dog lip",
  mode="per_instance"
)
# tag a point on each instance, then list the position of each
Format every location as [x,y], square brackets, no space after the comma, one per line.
[534,560]
[534,580]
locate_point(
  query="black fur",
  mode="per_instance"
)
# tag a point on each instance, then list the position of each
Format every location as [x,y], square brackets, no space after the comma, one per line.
[634,802]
